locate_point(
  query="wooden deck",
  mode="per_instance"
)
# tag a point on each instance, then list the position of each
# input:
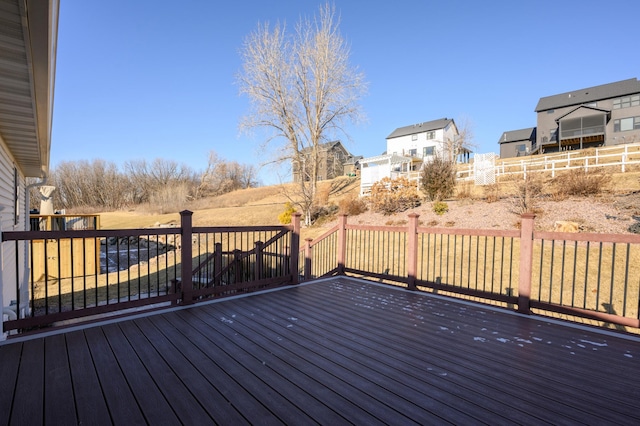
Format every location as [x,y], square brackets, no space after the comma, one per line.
[338,351]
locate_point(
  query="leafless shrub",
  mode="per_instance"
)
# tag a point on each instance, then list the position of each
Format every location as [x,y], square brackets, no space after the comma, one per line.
[352,205]
[579,183]
[527,193]
[390,196]
[491,193]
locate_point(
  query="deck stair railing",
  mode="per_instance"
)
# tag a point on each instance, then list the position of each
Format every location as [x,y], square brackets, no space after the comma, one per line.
[77,275]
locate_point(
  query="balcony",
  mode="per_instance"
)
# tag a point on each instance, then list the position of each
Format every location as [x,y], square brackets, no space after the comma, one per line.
[395,325]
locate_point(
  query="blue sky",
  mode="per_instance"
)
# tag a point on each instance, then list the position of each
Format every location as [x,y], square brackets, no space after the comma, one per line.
[148,79]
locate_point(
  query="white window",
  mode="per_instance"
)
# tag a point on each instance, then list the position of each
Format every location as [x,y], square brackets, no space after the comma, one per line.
[431,135]
[414,137]
[626,124]
[427,151]
[626,102]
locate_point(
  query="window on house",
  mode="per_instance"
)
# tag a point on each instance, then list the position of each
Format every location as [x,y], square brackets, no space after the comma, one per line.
[413,152]
[626,124]
[428,150]
[414,137]
[626,101]
[431,135]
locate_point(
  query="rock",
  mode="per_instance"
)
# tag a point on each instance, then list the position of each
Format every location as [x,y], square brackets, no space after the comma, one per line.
[565,226]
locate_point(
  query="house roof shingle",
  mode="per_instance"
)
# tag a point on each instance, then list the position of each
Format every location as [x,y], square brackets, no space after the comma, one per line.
[420,127]
[590,94]
[518,135]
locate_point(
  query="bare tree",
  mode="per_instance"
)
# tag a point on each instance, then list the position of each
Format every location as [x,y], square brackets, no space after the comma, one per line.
[222,176]
[461,143]
[152,180]
[303,89]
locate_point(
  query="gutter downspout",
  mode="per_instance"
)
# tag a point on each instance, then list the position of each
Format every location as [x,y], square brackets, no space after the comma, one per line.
[43,181]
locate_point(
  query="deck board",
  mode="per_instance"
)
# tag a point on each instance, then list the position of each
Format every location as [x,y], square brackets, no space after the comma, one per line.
[59,406]
[91,406]
[339,351]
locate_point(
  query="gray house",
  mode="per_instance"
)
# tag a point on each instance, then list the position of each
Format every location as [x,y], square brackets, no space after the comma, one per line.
[602,115]
[516,143]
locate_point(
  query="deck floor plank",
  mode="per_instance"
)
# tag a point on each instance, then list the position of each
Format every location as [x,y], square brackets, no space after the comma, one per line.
[10,354]
[90,403]
[121,402]
[176,393]
[59,403]
[28,399]
[326,403]
[154,406]
[336,351]
[263,383]
[423,377]
[536,373]
[200,389]
[205,357]
[385,393]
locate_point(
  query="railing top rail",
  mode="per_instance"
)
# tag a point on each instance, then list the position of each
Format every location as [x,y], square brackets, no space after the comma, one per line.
[588,237]
[507,233]
[214,229]
[88,233]
[325,235]
[62,215]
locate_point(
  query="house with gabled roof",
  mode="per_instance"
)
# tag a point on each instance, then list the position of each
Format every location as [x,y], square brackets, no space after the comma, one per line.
[28,37]
[516,143]
[408,148]
[423,140]
[603,115]
[333,160]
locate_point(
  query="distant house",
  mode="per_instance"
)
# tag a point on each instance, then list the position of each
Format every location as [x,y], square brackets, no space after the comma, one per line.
[602,115]
[408,148]
[334,161]
[516,143]
[28,35]
[424,140]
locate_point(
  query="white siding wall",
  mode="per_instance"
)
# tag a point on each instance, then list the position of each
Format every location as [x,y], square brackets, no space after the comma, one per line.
[404,144]
[8,252]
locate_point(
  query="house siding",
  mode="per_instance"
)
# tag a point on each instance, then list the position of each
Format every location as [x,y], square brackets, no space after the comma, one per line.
[509,149]
[546,121]
[8,251]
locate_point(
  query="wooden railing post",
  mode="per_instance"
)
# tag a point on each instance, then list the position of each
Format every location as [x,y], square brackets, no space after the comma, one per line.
[307,259]
[294,255]
[412,251]
[342,243]
[258,265]
[526,262]
[186,231]
[217,264]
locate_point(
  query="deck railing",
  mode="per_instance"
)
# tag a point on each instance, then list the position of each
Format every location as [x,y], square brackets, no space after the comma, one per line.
[83,273]
[594,276]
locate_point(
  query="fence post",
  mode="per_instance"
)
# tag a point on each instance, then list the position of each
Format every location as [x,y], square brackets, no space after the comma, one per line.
[258,265]
[217,264]
[412,251]
[186,231]
[294,256]
[307,259]
[526,262]
[342,243]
